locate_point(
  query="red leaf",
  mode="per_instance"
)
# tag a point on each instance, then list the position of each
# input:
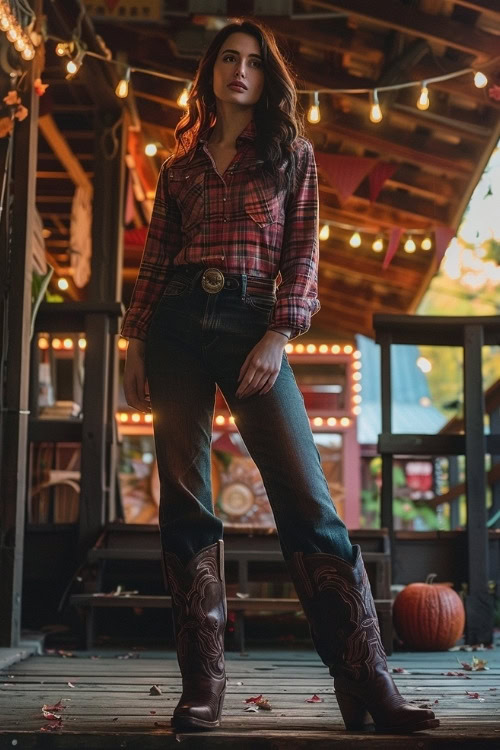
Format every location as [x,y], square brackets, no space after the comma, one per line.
[253,700]
[57,707]
[51,716]
[51,727]
[314,699]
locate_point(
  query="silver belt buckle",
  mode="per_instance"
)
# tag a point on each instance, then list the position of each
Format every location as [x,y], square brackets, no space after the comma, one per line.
[212,280]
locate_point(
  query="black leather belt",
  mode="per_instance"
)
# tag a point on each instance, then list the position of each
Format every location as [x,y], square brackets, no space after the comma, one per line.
[213,280]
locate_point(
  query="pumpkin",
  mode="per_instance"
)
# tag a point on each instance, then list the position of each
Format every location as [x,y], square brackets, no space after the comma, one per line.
[429,616]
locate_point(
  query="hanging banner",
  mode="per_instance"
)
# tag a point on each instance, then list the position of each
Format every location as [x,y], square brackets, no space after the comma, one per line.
[396,233]
[380,173]
[344,173]
[443,236]
[133,10]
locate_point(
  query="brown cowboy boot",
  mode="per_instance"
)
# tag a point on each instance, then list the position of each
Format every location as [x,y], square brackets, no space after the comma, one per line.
[199,612]
[337,601]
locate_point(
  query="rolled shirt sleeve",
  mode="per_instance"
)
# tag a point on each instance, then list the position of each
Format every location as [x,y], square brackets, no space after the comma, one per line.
[163,242]
[297,296]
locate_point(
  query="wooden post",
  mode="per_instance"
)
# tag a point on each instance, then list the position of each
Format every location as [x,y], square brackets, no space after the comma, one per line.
[453,480]
[478,604]
[16,348]
[495,490]
[99,446]
[387,492]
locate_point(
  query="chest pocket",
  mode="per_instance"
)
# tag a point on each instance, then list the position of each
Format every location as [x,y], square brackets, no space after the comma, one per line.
[187,187]
[262,203]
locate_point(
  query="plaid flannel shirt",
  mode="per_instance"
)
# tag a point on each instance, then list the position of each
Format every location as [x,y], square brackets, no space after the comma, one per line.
[238,223]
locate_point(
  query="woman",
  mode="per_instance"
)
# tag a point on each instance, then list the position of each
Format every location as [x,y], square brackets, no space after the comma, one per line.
[236,204]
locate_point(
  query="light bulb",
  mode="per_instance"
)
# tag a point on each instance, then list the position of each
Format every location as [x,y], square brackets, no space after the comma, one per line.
[182,99]
[61,49]
[480,80]
[20,44]
[314,114]
[151,149]
[28,52]
[12,34]
[410,246]
[426,243]
[375,111]
[378,245]
[121,90]
[423,99]
[4,23]
[63,284]
[74,65]
[325,232]
[355,240]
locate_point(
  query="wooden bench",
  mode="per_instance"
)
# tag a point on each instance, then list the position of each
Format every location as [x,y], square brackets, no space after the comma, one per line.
[244,605]
[244,546]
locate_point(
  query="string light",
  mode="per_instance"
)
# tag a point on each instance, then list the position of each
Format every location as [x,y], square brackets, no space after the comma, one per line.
[480,80]
[426,243]
[63,284]
[375,111]
[409,245]
[313,113]
[423,99]
[355,240]
[15,33]
[324,232]
[121,90]
[151,149]
[182,99]
[74,65]
[313,116]
[378,245]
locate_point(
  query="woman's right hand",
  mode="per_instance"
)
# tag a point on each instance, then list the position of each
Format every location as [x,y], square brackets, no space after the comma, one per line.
[134,377]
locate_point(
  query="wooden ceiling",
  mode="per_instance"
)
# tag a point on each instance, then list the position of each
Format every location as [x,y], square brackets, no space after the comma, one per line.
[439,153]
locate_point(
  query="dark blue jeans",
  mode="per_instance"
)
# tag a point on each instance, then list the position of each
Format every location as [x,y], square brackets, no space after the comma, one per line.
[195,341]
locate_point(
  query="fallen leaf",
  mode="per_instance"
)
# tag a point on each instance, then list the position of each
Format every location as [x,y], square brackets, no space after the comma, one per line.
[400,670]
[57,707]
[51,716]
[70,684]
[476,665]
[456,674]
[473,695]
[154,690]
[264,703]
[252,709]
[253,700]
[12,98]
[51,727]
[152,713]
[116,718]
[315,699]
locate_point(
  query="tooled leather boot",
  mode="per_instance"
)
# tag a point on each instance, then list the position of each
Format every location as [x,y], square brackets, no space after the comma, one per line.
[199,611]
[338,603]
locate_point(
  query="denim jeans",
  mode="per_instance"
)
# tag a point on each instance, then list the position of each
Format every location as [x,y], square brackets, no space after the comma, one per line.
[195,341]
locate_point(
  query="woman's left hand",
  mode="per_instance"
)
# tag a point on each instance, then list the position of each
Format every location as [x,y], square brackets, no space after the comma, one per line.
[262,365]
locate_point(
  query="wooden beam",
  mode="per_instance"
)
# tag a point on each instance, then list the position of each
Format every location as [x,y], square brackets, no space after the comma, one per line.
[412,22]
[360,267]
[489,8]
[61,149]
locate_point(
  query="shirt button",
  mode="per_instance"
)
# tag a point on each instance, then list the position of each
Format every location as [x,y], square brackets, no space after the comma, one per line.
[224,219]
[224,199]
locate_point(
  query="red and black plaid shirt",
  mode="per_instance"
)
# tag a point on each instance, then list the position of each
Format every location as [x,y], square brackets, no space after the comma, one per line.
[238,223]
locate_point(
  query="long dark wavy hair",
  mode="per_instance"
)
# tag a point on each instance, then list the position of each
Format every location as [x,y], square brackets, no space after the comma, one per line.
[278,124]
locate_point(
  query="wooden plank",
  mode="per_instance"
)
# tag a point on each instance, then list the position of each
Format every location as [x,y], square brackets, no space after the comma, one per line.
[409,20]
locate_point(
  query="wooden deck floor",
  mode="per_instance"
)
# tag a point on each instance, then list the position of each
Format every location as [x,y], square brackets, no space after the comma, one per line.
[107,703]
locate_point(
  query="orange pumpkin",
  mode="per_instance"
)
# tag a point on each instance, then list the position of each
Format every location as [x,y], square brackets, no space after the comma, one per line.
[429,616]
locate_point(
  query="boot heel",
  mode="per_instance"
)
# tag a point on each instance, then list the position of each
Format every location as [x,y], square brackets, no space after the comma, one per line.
[355,715]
